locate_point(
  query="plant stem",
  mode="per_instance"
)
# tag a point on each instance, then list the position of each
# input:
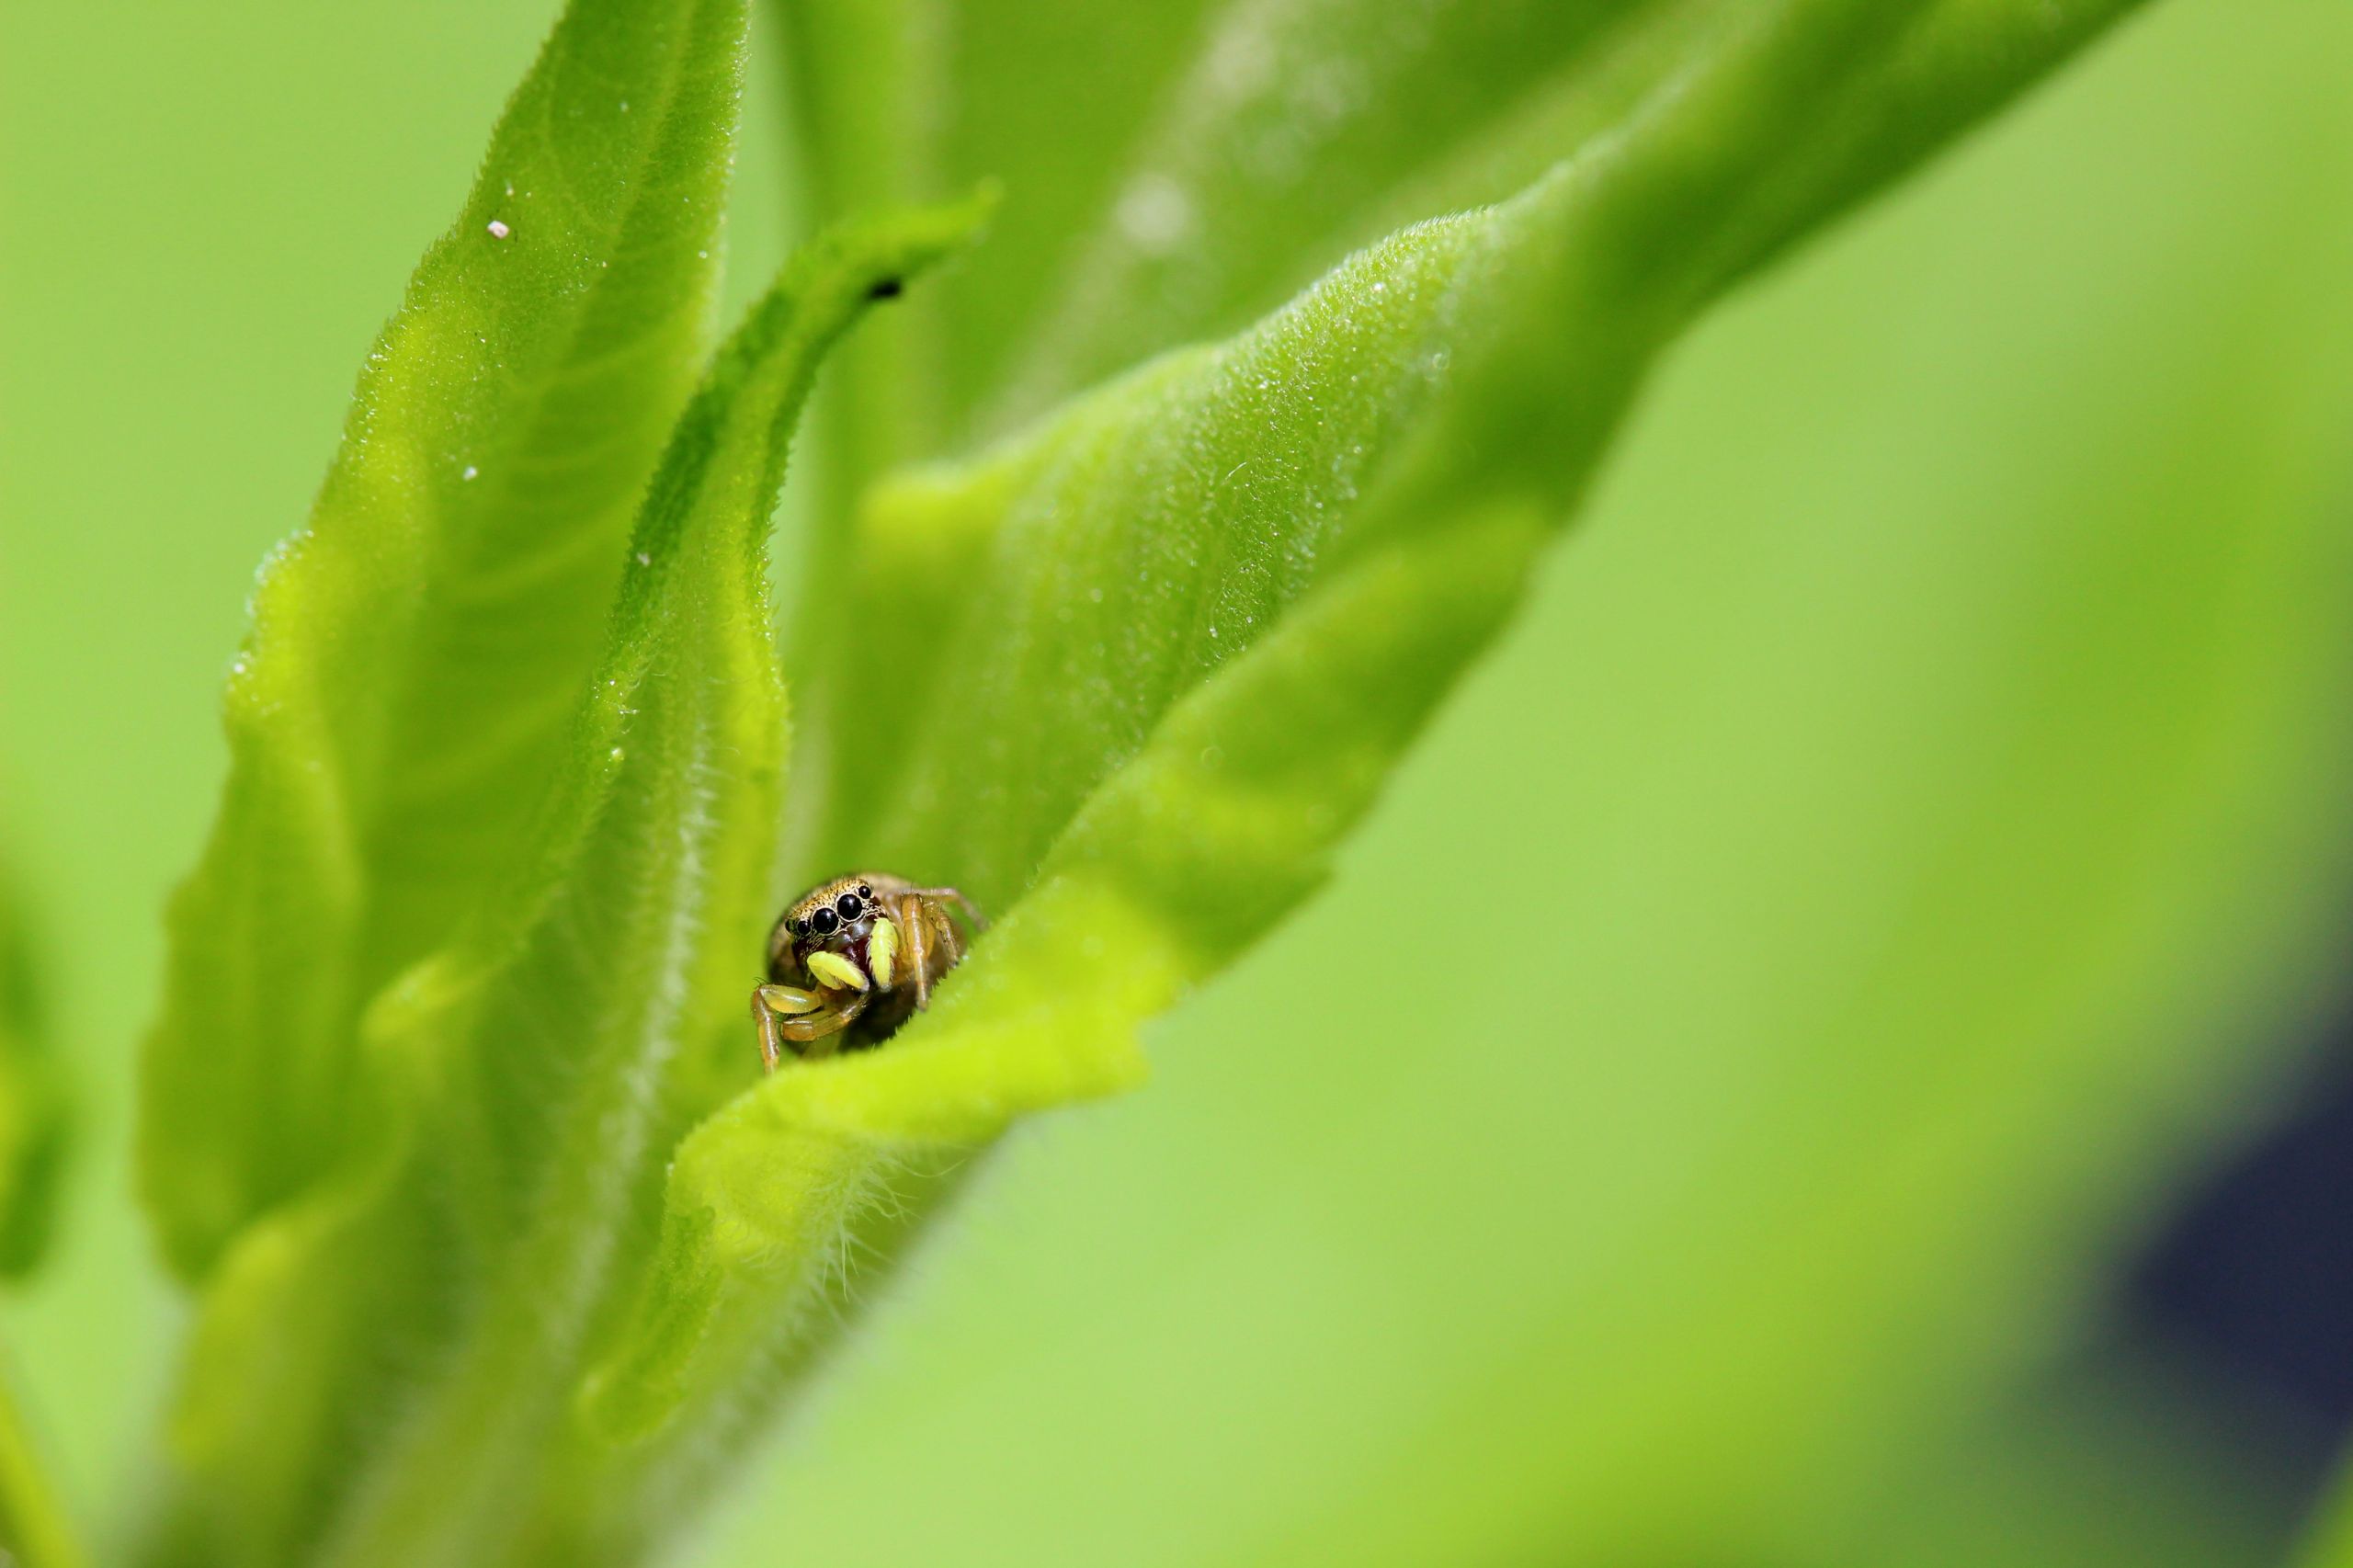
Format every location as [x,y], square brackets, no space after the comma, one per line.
[34,1526]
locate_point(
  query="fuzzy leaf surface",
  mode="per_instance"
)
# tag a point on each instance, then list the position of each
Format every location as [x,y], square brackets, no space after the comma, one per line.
[417,647]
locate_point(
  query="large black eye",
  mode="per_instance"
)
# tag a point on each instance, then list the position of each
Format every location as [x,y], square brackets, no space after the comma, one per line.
[847,904]
[823,921]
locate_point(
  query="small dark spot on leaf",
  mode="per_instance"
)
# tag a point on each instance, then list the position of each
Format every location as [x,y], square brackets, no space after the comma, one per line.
[887,289]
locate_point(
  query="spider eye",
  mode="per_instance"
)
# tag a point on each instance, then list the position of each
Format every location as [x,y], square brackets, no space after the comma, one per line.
[847,904]
[865,891]
[801,928]
[823,921]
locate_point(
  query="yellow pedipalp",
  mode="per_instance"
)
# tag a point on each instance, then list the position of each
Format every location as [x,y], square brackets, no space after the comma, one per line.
[788,999]
[882,951]
[838,972]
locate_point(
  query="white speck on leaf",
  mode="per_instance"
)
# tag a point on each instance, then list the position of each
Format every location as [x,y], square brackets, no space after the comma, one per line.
[1156,214]
[499,231]
[471,472]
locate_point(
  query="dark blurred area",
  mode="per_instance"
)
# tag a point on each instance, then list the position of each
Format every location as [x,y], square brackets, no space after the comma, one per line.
[2251,1284]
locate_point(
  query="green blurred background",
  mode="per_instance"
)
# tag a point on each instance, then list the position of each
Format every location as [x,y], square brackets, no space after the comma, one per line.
[1923,774]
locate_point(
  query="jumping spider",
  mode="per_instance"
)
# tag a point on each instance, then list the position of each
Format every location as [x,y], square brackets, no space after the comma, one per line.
[851,960]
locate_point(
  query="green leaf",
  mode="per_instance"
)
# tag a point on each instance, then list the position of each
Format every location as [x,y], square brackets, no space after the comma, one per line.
[1230,152]
[1149,662]
[1437,398]
[1298,131]
[902,100]
[417,647]
[36,1117]
[1655,205]
[1922,779]
[376,1372]
[1179,175]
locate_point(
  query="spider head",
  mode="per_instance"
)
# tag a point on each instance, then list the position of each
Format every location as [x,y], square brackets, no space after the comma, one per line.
[838,935]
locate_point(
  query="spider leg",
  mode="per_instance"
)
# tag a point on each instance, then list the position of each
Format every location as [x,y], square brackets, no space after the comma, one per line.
[790,999]
[951,895]
[768,1003]
[787,1014]
[916,931]
[818,1029]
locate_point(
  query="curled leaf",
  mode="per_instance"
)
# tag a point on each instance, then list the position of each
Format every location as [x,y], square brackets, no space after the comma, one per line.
[416,648]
